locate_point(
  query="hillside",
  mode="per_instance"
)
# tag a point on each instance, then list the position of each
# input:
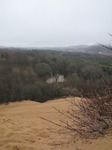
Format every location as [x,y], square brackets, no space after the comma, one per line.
[21,128]
[89,49]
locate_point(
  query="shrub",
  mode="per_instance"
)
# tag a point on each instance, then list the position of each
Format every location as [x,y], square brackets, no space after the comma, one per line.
[91,115]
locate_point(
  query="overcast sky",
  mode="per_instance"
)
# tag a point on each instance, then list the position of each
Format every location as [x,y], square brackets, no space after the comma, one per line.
[55,22]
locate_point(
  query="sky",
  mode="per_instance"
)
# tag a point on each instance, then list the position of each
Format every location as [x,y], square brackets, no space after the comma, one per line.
[34,23]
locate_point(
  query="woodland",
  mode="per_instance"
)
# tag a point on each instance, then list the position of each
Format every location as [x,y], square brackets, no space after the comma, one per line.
[23,74]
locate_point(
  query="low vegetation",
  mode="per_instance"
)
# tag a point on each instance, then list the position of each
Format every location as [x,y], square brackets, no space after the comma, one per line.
[90,115]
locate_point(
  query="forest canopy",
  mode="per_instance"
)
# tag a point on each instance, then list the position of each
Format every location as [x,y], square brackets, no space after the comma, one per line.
[23,74]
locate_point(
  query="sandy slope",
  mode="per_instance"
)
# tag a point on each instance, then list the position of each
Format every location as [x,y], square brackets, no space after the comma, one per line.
[21,128]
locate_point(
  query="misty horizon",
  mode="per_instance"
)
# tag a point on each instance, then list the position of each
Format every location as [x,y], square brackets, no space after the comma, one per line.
[46,46]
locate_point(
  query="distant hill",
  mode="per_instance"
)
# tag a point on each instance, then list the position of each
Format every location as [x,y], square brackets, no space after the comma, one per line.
[97,49]
[93,49]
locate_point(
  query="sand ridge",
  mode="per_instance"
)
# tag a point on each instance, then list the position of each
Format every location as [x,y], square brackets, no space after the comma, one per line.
[21,128]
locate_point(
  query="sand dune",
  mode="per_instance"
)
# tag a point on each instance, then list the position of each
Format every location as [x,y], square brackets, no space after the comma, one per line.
[21,128]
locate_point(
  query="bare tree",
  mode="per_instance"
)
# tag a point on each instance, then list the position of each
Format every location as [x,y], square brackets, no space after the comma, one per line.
[107,46]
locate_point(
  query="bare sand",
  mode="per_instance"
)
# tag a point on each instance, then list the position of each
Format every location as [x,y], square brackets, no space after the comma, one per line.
[21,128]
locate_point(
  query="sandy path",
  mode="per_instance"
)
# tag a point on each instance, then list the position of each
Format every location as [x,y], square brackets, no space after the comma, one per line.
[21,128]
